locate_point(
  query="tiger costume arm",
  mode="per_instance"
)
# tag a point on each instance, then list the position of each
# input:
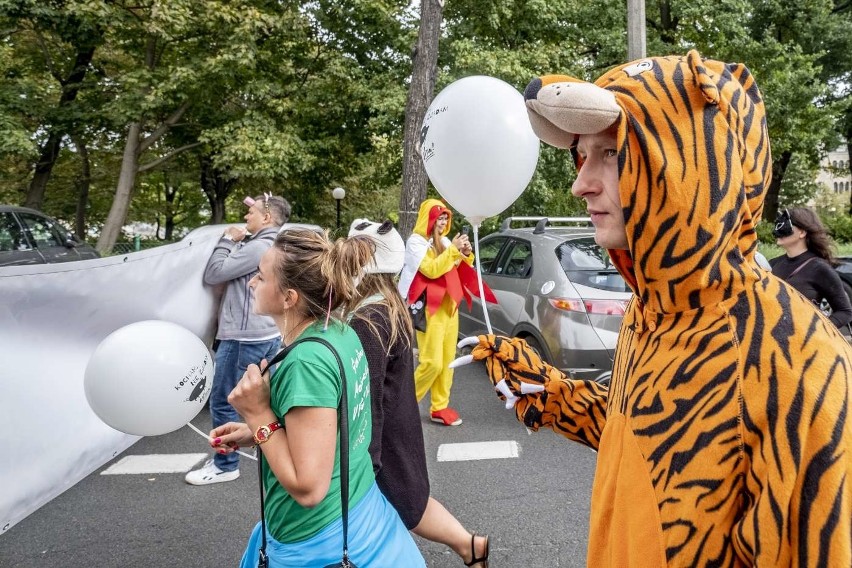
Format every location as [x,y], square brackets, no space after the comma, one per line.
[575,409]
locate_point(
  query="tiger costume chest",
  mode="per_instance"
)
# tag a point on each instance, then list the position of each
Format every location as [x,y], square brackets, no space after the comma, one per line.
[691,400]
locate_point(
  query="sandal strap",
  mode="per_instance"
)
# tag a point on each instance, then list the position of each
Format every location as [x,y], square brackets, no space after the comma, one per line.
[474,558]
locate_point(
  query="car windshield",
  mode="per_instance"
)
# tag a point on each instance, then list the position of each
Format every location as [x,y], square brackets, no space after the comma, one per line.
[586,263]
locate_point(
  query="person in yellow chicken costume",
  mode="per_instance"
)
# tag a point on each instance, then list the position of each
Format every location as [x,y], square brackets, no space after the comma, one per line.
[724,438]
[436,276]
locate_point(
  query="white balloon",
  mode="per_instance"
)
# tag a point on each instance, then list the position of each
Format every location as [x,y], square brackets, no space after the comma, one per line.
[478,147]
[149,378]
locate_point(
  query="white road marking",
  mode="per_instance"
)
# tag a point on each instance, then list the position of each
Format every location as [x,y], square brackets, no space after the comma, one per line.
[478,451]
[154,463]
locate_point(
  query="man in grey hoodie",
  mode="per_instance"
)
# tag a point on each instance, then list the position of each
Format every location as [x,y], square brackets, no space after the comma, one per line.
[244,337]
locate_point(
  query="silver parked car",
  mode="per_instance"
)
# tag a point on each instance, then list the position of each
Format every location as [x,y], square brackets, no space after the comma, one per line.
[557,289]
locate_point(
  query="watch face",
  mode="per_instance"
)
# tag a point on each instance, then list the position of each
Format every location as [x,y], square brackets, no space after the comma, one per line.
[263,432]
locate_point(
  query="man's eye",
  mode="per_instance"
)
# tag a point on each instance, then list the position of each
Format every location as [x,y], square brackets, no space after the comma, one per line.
[610,153]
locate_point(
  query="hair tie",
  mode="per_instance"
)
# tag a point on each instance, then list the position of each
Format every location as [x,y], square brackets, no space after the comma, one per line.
[328,311]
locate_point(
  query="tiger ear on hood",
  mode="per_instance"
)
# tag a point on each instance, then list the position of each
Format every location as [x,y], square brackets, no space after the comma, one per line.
[704,80]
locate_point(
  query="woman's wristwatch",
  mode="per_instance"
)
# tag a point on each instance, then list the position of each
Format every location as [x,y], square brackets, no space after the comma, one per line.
[263,432]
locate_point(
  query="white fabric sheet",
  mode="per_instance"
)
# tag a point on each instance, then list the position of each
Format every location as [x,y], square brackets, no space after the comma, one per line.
[51,319]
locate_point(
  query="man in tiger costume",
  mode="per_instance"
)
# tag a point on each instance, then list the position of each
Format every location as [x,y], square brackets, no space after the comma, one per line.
[724,438]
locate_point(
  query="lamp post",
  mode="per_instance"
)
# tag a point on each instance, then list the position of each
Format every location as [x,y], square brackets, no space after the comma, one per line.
[338,193]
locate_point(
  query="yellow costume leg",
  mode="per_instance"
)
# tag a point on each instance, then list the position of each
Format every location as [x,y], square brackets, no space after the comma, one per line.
[429,355]
[444,382]
[437,347]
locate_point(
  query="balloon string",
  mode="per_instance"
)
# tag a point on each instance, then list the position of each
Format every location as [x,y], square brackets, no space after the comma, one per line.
[479,278]
[206,437]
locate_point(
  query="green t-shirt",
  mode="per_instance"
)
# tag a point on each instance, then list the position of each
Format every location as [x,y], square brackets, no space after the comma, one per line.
[309,376]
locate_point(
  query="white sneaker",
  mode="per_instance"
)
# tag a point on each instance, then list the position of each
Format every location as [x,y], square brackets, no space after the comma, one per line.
[209,473]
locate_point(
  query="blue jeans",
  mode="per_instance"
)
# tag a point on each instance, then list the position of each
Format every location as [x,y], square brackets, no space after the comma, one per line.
[232,360]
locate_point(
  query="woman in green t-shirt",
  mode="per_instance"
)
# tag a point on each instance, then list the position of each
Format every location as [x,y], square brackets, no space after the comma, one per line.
[301,280]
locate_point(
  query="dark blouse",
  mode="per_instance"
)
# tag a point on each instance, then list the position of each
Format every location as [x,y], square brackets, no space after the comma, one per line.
[397,448]
[816,281]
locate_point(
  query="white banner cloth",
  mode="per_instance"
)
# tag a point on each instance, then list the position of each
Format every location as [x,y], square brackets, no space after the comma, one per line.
[52,317]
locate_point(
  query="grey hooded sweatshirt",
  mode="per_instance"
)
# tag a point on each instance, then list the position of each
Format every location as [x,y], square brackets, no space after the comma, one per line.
[234,264]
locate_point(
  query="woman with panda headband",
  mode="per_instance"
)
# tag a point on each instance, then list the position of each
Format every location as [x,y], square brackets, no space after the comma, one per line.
[380,318]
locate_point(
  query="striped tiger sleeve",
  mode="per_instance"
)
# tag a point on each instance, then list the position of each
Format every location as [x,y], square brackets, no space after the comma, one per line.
[575,409]
[797,439]
[796,433]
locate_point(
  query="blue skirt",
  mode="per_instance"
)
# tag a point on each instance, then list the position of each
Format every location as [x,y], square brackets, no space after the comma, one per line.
[377,538]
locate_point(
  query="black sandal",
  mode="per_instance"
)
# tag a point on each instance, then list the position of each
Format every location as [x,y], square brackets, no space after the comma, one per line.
[474,559]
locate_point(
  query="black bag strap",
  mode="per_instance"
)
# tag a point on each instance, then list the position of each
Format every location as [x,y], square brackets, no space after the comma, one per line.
[801,266]
[262,560]
[343,423]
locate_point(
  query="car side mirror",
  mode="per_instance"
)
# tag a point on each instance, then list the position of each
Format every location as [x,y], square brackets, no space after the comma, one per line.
[70,241]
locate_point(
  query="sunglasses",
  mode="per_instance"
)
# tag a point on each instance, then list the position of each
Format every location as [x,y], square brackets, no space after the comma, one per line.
[783,225]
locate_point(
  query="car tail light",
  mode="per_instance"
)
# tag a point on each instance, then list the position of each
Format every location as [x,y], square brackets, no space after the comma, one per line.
[600,307]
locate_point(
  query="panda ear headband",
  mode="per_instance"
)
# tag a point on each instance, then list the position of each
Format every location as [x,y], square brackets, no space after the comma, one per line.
[390,248]
[783,225]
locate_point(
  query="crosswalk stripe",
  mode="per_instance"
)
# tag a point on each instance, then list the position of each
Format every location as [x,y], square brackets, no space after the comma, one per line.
[154,463]
[478,451]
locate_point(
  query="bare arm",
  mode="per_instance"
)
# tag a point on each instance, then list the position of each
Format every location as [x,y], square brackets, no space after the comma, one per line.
[302,457]
[302,454]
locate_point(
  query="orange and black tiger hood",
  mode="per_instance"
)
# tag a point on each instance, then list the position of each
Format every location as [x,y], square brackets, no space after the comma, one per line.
[694,165]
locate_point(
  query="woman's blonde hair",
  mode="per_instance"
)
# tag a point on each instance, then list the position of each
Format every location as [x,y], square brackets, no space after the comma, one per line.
[399,321]
[324,272]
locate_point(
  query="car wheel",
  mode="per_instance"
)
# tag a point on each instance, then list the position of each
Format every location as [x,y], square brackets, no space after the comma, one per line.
[604,378]
[535,345]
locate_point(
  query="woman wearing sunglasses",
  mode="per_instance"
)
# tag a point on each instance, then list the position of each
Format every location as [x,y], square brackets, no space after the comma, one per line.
[809,263]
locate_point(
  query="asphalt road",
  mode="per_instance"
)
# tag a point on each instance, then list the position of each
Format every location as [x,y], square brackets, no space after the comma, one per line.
[534,507]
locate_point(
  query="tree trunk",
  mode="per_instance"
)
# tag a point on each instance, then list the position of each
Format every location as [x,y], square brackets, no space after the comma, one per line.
[423,73]
[170,191]
[50,151]
[849,163]
[43,168]
[123,191]
[847,134]
[133,149]
[216,187]
[779,168]
[82,183]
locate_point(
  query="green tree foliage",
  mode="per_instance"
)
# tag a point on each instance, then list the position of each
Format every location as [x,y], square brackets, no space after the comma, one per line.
[784,45]
[300,97]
